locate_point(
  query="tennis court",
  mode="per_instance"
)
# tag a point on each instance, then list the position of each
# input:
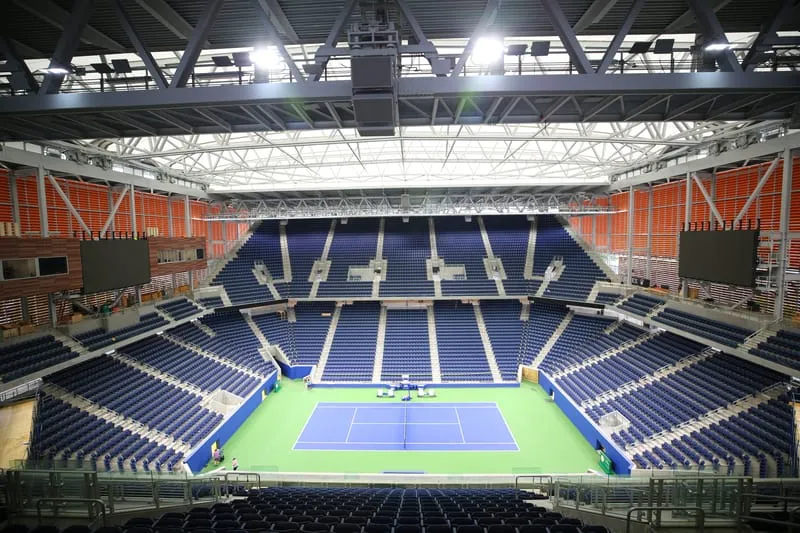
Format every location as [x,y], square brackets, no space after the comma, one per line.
[410,426]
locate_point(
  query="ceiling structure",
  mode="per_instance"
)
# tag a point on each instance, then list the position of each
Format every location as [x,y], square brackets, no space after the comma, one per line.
[582,119]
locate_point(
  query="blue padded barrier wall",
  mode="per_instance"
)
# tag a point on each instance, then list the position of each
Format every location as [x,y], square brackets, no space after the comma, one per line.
[622,465]
[296,371]
[201,455]
[427,384]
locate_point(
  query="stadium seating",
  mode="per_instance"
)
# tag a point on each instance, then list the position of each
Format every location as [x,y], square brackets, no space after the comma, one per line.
[237,275]
[686,394]
[354,244]
[277,330]
[211,302]
[704,327]
[22,358]
[782,348]
[306,240]
[459,243]
[608,298]
[233,339]
[627,366]
[352,354]
[596,343]
[137,395]
[536,331]
[640,304]
[406,246]
[99,338]
[508,235]
[505,329]
[310,330]
[580,271]
[461,353]
[188,366]
[406,345]
[572,339]
[65,433]
[178,309]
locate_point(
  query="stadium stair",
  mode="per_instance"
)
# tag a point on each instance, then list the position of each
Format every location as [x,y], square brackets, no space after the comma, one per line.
[407,349]
[487,245]
[265,344]
[326,347]
[326,249]
[285,259]
[433,344]
[525,312]
[376,281]
[437,283]
[117,419]
[587,248]
[552,340]
[156,373]
[487,344]
[530,251]
[377,369]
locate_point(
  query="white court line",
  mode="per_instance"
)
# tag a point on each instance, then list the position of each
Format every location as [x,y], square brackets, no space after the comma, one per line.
[349,429]
[414,443]
[460,429]
[407,423]
[316,405]
[508,428]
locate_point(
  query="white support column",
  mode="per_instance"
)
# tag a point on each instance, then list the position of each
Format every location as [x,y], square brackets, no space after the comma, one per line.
[594,231]
[113,212]
[786,202]
[709,200]
[12,188]
[687,220]
[648,265]
[41,198]
[631,215]
[132,193]
[170,228]
[757,191]
[713,194]
[187,216]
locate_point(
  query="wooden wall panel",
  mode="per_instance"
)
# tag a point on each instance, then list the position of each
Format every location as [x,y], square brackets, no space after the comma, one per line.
[23,248]
[166,243]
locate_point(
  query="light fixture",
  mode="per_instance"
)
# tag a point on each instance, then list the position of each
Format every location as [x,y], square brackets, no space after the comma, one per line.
[267,58]
[242,59]
[222,61]
[664,46]
[121,66]
[718,47]
[58,70]
[540,48]
[640,47]
[517,49]
[102,68]
[487,50]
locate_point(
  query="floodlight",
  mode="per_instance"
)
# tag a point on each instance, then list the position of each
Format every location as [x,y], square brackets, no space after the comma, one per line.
[718,47]
[540,48]
[487,51]
[267,58]
[222,61]
[59,70]
[121,66]
[102,68]
[242,59]
[664,46]
[517,49]
[640,47]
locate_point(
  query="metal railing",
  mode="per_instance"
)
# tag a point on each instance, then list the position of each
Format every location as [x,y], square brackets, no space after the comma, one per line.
[542,488]
[91,504]
[700,520]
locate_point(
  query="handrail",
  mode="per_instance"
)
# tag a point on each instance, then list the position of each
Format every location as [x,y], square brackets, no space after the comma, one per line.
[246,475]
[791,523]
[699,521]
[533,478]
[92,502]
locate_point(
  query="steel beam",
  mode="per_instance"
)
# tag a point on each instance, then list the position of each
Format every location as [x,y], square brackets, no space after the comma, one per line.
[20,73]
[749,153]
[187,216]
[170,228]
[168,17]
[709,200]
[562,28]
[196,44]
[756,191]
[276,14]
[54,15]
[416,30]
[649,263]
[275,40]
[14,194]
[71,168]
[489,13]
[687,221]
[68,203]
[41,200]
[767,34]
[713,32]
[622,32]
[321,60]
[687,17]
[594,14]
[110,220]
[141,49]
[786,204]
[631,216]
[67,45]
[132,197]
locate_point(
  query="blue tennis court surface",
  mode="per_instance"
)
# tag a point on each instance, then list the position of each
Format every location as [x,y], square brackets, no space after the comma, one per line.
[433,427]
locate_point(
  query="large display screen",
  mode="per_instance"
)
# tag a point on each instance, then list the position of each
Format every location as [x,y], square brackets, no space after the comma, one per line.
[728,257]
[114,263]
